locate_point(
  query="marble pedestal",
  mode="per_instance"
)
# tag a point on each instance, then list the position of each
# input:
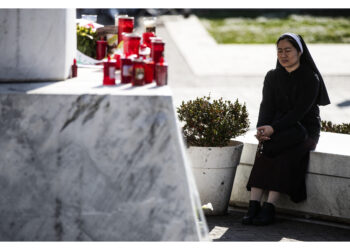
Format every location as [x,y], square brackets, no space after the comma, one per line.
[36,44]
[80,161]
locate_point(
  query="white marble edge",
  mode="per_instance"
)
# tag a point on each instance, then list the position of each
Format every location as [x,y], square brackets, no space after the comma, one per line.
[77,88]
[329,143]
[201,224]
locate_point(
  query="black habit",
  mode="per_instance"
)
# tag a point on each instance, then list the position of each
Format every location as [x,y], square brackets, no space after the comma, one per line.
[288,98]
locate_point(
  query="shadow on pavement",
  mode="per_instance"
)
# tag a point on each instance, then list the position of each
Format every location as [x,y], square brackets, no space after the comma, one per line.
[344,104]
[229,228]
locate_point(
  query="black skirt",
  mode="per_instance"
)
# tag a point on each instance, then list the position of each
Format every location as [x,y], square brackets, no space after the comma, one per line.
[284,173]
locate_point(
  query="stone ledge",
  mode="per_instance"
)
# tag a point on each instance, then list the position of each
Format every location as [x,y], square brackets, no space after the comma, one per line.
[328,178]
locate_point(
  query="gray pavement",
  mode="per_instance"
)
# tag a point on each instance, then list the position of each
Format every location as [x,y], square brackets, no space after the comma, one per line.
[229,228]
[186,85]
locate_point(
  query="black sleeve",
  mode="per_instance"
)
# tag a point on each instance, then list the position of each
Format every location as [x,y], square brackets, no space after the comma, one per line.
[267,108]
[307,94]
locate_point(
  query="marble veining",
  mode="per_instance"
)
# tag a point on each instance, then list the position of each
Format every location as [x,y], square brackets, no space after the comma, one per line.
[94,167]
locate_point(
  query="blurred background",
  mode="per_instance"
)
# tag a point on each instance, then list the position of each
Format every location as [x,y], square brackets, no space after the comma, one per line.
[229,26]
[208,50]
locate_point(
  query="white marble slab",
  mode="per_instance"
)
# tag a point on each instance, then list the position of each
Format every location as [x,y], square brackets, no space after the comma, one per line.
[36,44]
[94,163]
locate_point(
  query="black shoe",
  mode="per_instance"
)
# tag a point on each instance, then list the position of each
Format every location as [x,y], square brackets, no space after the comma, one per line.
[253,210]
[266,215]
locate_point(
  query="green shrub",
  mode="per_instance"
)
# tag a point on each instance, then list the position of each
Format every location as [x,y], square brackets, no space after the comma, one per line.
[212,124]
[328,126]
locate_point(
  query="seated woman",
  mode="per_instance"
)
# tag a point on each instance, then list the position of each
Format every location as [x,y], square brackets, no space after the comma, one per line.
[288,128]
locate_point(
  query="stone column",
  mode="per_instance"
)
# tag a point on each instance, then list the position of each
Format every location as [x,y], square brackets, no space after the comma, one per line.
[36,44]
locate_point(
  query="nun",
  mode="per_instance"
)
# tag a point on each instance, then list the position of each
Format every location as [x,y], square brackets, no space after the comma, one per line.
[288,129]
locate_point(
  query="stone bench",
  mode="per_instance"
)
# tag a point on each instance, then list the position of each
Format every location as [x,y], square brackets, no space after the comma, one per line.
[327,180]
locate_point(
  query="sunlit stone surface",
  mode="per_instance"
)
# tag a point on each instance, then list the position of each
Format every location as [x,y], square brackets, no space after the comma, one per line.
[36,44]
[80,161]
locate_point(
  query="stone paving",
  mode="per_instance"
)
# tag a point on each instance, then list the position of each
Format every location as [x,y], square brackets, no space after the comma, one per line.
[186,85]
[229,228]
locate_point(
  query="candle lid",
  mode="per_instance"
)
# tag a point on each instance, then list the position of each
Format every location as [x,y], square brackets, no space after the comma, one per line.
[156,38]
[134,35]
[109,60]
[137,60]
[159,42]
[148,61]
[126,17]
[149,21]
[120,15]
[133,56]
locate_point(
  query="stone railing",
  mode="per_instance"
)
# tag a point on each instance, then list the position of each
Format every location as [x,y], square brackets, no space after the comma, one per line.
[327,180]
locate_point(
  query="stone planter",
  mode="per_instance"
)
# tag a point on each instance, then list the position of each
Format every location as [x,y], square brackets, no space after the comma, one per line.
[214,170]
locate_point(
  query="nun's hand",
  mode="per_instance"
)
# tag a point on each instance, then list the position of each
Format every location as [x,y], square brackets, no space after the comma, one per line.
[264,133]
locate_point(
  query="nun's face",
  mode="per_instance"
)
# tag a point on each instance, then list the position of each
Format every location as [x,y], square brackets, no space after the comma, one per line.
[287,55]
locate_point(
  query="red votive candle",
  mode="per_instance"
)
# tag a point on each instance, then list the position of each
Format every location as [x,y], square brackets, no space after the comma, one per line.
[138,73]
[125,70]
[74,68]
[149,71]
[146,38]
[157,50]
[125,24]
[161,75]
[109,72]
[131,44]
[117,59]
[101,49]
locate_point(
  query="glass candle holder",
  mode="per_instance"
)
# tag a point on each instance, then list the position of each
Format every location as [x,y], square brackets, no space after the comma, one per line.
[116,18]
[101,49]
[146,38]
[125,70]
[109,72]
[125,24]
[150,24]
[161,74]
[138,75]
[149,71]
[131,44]
[157,50]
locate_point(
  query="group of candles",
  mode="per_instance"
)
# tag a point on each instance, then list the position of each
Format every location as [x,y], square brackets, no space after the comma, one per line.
[141,61]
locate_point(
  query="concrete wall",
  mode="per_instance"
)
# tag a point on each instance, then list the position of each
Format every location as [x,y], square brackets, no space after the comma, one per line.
[36,44]
[328,179]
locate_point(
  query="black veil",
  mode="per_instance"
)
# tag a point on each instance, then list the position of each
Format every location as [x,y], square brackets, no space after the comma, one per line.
[306,59]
